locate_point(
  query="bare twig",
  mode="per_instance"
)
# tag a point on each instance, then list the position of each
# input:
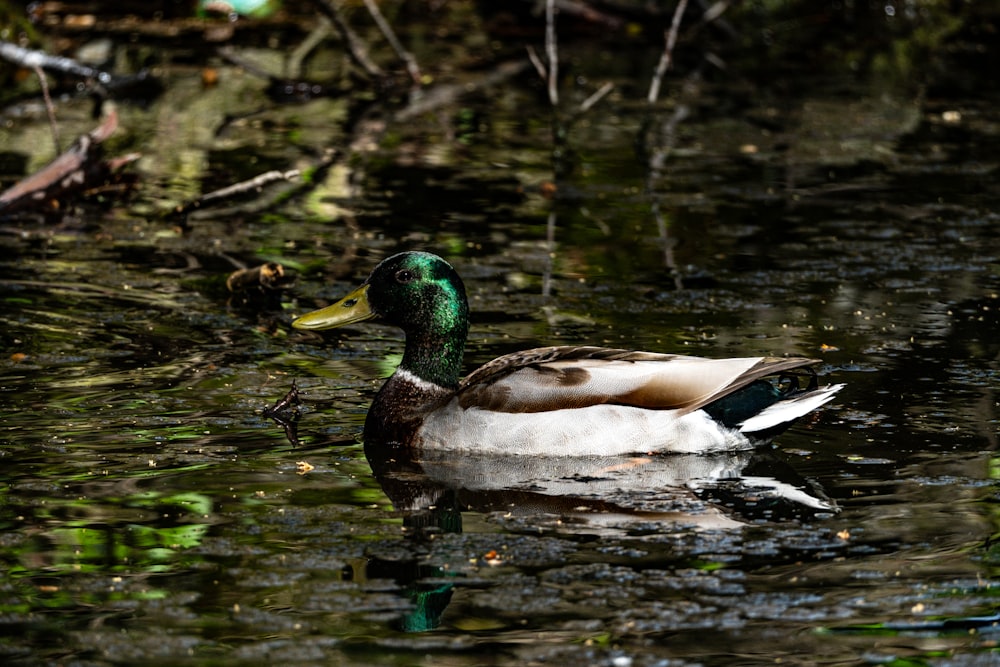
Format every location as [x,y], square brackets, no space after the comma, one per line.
[715,11]
[596,97]
[49,109]
[552,52]
[397,46]
[289,401]
[354,44]
[286,414]
[668,51]
[312,40]
[266,189]
[230,191]
[537,62]
[254,183]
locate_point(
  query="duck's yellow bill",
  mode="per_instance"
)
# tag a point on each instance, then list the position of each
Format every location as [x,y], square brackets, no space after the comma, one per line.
[352,308]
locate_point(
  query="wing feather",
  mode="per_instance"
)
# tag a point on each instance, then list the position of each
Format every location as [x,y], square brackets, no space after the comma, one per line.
[555,378]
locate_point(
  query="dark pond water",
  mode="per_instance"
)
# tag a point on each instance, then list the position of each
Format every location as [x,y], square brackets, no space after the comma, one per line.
[151,512]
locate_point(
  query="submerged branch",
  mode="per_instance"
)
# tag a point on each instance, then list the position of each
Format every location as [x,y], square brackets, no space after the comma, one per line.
[286,414]
[445,94]
[596,96]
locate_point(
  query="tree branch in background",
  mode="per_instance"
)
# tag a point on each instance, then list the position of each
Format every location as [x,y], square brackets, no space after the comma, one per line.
[437,96]
[549,74]
[315,37]
[668,51]
[552,52]
[355,46]
[279,89]
[537,62]
[588,13]
[390,36]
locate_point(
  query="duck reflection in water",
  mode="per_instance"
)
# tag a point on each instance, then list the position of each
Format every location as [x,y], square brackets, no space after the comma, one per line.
[573,496]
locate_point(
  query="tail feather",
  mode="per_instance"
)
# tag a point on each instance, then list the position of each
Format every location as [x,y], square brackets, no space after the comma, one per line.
[788,410]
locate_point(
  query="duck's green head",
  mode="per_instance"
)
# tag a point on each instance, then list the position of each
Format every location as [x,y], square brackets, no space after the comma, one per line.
[421,294]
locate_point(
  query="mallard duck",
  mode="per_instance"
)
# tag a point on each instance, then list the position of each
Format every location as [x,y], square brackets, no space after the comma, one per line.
[555,401]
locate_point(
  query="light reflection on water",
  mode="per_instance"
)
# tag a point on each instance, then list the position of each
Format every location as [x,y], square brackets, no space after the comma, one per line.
[151,511]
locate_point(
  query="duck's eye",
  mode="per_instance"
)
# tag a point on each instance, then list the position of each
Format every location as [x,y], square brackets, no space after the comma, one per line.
[404,276]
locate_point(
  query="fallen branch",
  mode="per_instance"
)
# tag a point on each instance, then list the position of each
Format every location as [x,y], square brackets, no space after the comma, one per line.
[596,97]
[79,168]
[254,184]
[264,192]
[30,59]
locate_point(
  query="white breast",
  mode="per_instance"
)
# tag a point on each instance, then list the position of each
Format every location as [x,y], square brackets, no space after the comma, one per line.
[599,430]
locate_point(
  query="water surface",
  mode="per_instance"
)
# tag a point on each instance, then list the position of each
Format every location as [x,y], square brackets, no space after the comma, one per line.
[151,511]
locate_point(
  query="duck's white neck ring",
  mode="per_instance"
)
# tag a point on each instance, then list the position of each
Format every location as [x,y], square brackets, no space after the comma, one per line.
[419,382]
